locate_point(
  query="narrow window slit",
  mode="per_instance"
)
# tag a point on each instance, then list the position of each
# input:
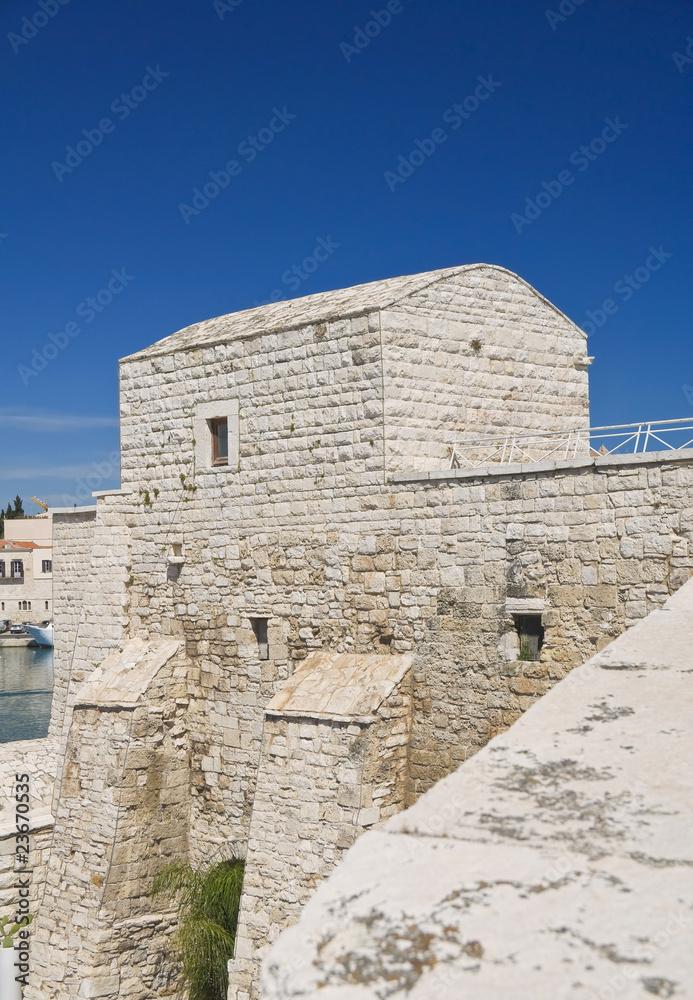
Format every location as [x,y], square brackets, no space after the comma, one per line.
[219,427]
[531,634]
[259,626]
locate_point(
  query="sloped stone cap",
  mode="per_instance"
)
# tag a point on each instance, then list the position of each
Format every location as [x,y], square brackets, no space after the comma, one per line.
[340,686]
[124,676]
[556,863]
[318,308]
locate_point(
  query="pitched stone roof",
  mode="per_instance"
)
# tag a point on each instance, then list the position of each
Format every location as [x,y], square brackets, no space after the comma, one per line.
[320,308]
[342,686]
[123,677]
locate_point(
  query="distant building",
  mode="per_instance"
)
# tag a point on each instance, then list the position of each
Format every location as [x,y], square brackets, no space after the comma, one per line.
[26,569]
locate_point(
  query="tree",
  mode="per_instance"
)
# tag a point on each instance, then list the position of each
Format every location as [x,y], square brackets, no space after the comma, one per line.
[18,508]
[209,899]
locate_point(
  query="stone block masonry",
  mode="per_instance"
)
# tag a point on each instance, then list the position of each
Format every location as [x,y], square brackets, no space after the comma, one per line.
[556,863]
[334,763]
[121,814]
[334,528]
[37,759]
[73,539]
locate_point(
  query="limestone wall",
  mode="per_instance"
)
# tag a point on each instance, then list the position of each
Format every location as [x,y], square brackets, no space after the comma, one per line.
[73,538]
[475,354]
[36,758]
[334,763]
[596,545]
[94,599]
[122,813]
[73,533]
[556,863]
[429,565]
[320,402]
[426,565]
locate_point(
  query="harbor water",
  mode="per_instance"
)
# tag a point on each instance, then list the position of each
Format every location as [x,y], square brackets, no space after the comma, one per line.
[26,688]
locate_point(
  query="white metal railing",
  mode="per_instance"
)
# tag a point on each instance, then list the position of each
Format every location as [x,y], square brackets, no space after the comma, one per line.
[542,446]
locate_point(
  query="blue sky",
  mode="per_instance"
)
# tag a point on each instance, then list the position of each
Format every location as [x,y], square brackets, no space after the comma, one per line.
[315,103]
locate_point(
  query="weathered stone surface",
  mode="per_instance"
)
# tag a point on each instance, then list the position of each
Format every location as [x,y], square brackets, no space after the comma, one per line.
[557,862]
[340,686]
[124,676]
[334,762]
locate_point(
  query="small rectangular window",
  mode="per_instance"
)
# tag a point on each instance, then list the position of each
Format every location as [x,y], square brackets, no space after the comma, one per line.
[216,435]
[47,566]
[531,634]
[219,427]
[17,569]
[2,569]
[260,629]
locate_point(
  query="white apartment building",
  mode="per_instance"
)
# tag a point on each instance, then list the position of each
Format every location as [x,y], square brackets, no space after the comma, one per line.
[26,569]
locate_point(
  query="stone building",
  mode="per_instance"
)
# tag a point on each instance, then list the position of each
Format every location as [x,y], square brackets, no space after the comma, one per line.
[26,577]
[26,569]
[294,617]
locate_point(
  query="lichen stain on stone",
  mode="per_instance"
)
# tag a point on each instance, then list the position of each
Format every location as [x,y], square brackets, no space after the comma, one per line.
[607,951]
[660,987]
[608,713]
[528,780]
[392,956]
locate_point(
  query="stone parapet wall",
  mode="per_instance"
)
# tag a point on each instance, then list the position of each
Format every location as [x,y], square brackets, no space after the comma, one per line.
[433,567]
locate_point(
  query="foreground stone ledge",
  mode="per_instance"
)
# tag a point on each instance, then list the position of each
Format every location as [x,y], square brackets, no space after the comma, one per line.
[558,862]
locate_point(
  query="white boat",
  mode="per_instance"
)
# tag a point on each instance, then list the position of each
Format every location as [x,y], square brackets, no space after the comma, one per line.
[42,634]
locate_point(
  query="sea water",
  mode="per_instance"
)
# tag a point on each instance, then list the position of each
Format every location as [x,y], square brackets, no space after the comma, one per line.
[26,688]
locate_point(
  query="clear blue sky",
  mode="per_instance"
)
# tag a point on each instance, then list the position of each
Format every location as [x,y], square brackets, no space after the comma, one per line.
[215,75]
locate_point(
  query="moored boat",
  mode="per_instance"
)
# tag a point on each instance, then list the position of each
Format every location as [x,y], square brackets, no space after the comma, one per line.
[42,634]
